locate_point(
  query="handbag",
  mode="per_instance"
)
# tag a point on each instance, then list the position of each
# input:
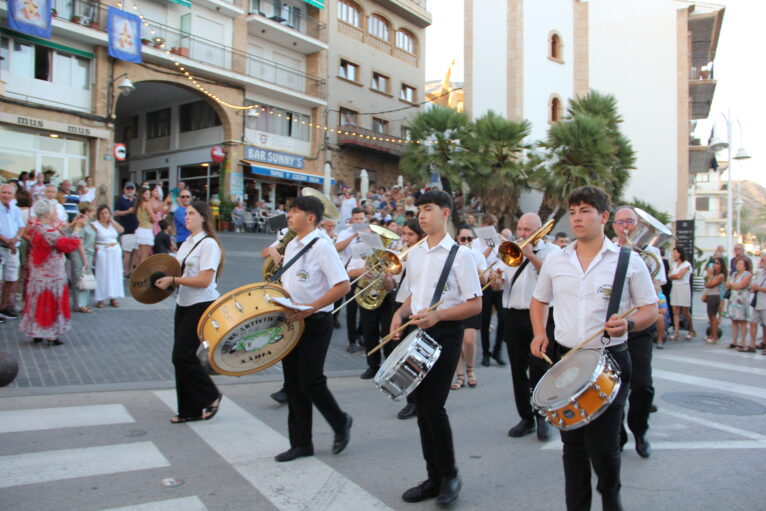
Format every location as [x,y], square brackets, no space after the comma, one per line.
[87,281]
[704,298]
[727,294]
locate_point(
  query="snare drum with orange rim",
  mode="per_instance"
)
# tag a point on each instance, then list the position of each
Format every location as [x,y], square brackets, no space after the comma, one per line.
[245,332]
[578,389]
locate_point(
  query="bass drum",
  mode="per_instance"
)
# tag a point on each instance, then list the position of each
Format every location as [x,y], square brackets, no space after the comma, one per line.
[245,332]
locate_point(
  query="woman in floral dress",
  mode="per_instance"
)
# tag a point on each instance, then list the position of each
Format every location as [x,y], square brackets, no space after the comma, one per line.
[46,313]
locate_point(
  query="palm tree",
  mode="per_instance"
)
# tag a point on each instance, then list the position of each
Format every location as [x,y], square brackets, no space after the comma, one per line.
[496,170]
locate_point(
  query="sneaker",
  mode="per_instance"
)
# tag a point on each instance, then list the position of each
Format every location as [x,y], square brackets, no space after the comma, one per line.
[9,314]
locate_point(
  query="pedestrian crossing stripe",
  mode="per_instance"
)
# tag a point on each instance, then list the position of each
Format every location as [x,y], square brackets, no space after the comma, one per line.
[40,419]
[182,504]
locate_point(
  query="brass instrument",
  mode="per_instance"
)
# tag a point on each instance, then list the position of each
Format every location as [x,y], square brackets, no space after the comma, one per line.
[269,268]
[649,232]
[510,252]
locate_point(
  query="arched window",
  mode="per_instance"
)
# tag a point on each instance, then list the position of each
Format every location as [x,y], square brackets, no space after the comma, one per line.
[378,27]
[554,109]
[348,12]
[405,41]
[555,47]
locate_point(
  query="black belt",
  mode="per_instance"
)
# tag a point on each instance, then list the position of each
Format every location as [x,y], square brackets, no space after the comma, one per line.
[616,348]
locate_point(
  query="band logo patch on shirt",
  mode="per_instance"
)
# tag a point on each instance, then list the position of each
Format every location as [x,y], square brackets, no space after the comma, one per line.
[605,291]
[302,275]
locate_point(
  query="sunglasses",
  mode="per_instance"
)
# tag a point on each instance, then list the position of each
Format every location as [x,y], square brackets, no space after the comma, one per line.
[185,196]
[465,239]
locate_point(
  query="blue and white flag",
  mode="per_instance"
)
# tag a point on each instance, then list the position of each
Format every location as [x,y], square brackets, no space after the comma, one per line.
[124,31]
[32,17]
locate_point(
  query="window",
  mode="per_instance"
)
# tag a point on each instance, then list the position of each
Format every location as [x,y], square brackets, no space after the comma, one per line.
[280,122]
[407,93]
[43,63]
[555,48]
[347,117]
[379,126]
[378,27]
[349,13]
[379,82]
[197,115]
[23,150]
[554,109]
[405,41]
[702,204]
[349,71]
[406,133]
[158,123]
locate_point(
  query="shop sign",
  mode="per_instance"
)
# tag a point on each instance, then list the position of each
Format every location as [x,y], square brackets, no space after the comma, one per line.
[292,176]
[274,157]
[237,184]
[71,129]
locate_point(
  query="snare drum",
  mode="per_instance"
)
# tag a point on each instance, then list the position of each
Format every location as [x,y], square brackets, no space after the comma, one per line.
[407,365]
[577,389]
[244,332]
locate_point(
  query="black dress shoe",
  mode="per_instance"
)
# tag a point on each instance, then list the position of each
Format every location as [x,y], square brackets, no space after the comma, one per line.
[37,339]
[294,453]
[369,373]
[485,360]
[410,410]
[643,447]
[499,359]
[424,491]
[653,409]
[343,436]
[55,342]
[524,427]
[280,396]
[450,488]
[543,431]
[353,348]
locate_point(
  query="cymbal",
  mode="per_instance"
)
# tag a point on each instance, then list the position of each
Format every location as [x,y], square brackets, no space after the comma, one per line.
[384,233]
[152,268]
[330,211]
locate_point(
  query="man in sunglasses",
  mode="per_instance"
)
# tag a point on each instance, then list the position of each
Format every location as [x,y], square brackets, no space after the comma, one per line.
[179,216]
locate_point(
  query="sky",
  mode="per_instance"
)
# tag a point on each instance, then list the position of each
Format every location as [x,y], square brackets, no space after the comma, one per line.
[737,70]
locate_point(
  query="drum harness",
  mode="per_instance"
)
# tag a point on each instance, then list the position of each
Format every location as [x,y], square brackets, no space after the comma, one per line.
[292,261]
[616,295]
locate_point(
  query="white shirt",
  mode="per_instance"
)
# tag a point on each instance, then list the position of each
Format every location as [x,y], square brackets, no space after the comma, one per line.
[582,298]
[661,277]
[759,279]
[462,281]
[478,258]
[207,256]
[318,270]
[674,269]
[520,295]
[346,207]
[345,254]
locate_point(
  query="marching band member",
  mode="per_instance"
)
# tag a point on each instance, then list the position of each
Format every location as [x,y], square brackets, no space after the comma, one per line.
[201,259]
[465,237]
[581,278]
[490,300]
[518,284]
[316,279]
[461,298]
[411,234]
[640,345]
[345,238]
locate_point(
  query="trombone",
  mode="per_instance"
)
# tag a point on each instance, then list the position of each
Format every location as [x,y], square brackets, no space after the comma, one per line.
[510,252]
[382,262]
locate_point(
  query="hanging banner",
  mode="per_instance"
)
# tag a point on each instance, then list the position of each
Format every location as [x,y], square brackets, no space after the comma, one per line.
[124,31]
[185,3]
[31,17]
[315,3]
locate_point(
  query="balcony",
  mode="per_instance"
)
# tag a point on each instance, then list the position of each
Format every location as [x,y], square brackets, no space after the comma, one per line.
[704,31]
[287,26]
[371,140]
[700,159]
[377,43]
[701,90]
[414,11]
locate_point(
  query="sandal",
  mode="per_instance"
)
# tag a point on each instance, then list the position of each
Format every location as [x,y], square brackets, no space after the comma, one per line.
[459,382]
[180,420]
[673,337]
[114,303]
[760,346]
[99,305]
[732,346]
[471,376]
[746,349]
[209,412]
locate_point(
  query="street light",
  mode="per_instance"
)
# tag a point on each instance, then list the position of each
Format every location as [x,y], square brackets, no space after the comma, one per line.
[715,145]
[125,87]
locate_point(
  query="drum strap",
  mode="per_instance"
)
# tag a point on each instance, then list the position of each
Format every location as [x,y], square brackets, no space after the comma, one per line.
[618,284]
[183,263]
[445,273]
[292,261]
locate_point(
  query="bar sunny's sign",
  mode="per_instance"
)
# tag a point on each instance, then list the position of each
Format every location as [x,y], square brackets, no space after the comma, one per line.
[274,157]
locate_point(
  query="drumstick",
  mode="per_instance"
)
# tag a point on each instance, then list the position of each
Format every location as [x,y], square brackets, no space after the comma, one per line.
[390,336]
[600,332]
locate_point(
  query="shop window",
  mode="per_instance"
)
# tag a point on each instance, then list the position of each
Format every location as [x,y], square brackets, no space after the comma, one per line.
[407,93]
[348,117]
[197,115]
[405,41]
[348,70]
[379,82]
[158,123]
[201,179]
[379,125]
[25,150]
[349,12]
[378,26]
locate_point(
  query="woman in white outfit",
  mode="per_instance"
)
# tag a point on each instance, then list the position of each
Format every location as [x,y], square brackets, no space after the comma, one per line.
[681,293]
[108,258]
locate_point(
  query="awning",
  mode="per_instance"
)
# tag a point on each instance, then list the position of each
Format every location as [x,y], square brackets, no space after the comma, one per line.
[280,173]
[315,3]
[185,3]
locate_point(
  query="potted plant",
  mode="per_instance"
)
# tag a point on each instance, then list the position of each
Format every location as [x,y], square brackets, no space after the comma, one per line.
[75,18]
[146,41]
[54,13]
[183,51]
[93,24]
[226,208]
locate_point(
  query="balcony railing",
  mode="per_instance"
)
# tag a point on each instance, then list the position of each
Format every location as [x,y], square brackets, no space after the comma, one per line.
[199,49]
[379,44]
[349,134]
[290,16]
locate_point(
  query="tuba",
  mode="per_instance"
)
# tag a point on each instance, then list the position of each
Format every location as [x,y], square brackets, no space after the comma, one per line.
[649,232]
[379,262]
[269,267]
[510,252]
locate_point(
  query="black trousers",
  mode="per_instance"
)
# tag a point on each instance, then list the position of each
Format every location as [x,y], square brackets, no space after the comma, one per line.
[526,370]
[376,324]
[489,299]
[431,396]
[306,384]
[351,325]
[391,346]
[641,395]
[596,445]
[194,388]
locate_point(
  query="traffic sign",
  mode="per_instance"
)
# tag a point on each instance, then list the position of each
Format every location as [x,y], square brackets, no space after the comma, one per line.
[217,153]
[120,152]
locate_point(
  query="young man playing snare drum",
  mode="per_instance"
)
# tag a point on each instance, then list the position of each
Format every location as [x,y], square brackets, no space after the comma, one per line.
[461,299]
[580,277]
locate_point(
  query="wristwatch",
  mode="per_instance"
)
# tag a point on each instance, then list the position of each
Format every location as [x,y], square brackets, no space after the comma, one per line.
[631,325]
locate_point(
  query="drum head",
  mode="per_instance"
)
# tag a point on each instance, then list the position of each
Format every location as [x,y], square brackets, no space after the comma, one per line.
[246,332]
[566,379]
